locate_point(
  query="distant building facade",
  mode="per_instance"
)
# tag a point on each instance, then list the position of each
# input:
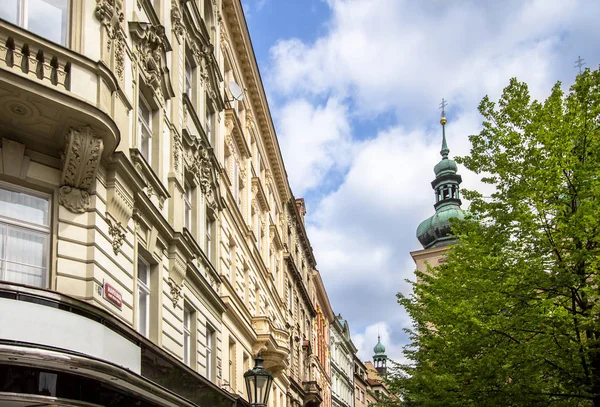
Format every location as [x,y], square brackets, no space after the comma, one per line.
[342,363]
[361,384]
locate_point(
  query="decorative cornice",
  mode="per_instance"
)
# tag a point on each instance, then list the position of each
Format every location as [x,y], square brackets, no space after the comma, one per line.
[83,149]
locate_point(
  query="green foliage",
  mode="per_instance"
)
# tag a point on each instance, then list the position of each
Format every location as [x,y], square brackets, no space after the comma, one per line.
[513,317]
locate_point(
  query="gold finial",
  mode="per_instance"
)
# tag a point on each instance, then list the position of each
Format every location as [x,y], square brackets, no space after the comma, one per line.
[443,105]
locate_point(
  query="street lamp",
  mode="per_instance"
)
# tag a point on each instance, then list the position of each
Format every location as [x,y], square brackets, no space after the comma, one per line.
[258,383]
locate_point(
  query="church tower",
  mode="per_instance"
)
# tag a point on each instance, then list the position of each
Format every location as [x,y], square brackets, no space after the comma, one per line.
[435,233]
[380,358]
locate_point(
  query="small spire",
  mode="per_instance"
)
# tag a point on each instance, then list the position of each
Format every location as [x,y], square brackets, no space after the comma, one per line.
[579,63]
[444,152]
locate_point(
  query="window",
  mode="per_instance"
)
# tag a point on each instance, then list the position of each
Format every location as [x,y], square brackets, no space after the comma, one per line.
[232,370]
[187,206]
[46,18]
[208,20]
[210,338]
[362,396]
[208,241]
[145,129]
[24,237]
[209,126]
[187,335]
[246,366]
[143,296]
[289,297]
[188,77]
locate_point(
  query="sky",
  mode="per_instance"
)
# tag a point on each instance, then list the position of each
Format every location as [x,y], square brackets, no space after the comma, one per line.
[354,88]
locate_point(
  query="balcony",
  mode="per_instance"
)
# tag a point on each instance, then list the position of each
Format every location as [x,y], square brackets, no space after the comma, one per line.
[46,89]
[312,394]
[273,343]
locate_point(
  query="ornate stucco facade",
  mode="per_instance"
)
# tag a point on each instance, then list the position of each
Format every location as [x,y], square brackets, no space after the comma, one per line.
[145,213]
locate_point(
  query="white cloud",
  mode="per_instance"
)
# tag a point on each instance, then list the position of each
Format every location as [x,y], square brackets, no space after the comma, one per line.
[314,141]
[398,58]
[401,54]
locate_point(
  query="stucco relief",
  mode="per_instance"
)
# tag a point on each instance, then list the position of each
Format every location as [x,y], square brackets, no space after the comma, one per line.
[110,14]
[83,150]
[151,53]
[178,27]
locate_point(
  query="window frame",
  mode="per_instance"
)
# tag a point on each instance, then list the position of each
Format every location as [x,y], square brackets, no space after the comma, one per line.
[187,205]
[145,288]
[144,125]
[15,223]
[209,351]
[208,236]
[187,335]
[23,22]
[188,77]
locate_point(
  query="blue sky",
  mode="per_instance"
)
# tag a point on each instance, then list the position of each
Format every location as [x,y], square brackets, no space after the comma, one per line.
[354,88]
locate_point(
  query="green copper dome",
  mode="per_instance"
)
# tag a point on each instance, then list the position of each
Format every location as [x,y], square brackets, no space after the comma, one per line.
[436,230]
[379,348]
[445,166]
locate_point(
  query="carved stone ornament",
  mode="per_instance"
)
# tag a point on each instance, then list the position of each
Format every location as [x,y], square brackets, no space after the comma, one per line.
[109,11]
[178,27]
[117,232]
[175,290]
[152,47]
[83,150]
[110,14]
[177,147]
[199,164]
[119,56]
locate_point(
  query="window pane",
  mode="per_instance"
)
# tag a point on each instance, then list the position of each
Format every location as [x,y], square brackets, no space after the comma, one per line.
[145,147]
[26,257]
[10,11]
[24,207]
[142,312]
[48,18]
[143,272]
[144,112]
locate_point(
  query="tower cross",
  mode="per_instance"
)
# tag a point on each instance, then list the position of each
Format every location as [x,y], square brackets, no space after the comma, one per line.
[579,63]
[443,106]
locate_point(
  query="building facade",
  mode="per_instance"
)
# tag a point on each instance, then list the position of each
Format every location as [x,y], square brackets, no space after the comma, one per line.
[322,324]
[361,384]
[342,364]
[150,245]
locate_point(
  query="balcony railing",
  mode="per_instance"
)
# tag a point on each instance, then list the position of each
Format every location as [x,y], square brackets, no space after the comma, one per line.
[46,77]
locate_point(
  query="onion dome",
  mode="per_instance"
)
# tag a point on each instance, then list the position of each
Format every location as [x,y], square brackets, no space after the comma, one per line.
[436,230]
[379,348]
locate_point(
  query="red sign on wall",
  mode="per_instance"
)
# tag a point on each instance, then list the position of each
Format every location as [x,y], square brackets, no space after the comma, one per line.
[113,295]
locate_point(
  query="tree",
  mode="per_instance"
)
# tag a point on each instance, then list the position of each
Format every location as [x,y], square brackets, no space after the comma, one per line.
[513,317]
